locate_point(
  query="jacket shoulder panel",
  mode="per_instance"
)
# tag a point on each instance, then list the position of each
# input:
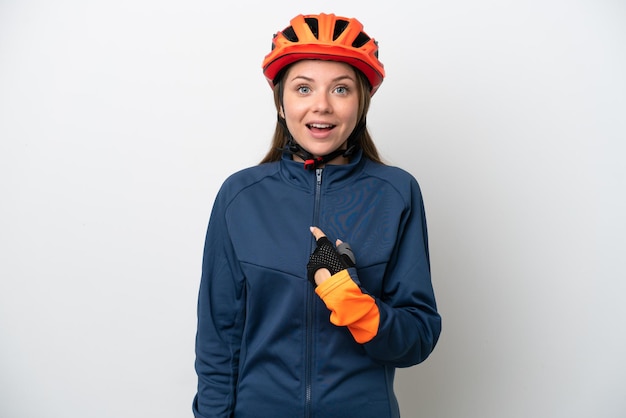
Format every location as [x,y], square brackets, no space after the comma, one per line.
[397,178]
[241,180]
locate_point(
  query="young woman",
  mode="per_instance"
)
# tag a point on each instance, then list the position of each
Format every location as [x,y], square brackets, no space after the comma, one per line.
[292,320]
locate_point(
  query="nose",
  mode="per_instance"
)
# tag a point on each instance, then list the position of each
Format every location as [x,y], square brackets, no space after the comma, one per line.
[322,104]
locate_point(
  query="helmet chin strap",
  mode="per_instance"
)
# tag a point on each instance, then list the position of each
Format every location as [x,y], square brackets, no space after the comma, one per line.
[311,162]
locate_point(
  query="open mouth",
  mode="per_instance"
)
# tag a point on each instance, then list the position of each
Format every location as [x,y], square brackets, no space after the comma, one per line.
[320,126]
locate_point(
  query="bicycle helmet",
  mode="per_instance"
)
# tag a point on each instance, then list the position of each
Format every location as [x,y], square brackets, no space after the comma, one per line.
[325,37]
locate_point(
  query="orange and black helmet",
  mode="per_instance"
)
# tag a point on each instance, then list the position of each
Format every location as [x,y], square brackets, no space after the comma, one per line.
[325,37]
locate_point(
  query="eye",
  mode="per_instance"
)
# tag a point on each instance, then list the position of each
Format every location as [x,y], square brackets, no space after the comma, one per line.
[343,90]
[304,89]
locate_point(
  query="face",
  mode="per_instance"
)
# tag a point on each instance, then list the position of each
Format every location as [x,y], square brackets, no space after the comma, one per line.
[320,104]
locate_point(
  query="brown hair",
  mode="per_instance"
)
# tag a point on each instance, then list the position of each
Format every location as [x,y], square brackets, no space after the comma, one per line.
[364,141]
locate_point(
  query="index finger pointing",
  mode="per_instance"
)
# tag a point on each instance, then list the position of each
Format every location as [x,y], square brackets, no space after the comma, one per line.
[317,233]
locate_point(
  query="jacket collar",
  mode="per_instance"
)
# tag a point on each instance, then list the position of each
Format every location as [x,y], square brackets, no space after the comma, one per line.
[333,175]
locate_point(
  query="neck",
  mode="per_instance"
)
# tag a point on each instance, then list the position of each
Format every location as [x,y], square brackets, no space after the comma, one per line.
[340,160]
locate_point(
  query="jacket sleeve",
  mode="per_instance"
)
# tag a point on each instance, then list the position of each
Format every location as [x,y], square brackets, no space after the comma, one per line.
[401,328]
[409,322]
[221,302]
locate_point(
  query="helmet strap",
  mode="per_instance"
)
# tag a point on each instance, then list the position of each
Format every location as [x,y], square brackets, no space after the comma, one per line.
[311,162]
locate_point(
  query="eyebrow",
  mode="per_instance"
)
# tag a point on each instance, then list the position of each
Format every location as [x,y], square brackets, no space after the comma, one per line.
[334,80]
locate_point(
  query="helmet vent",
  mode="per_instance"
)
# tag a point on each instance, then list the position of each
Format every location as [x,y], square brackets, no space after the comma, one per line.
[290,34]
[313,25]
[340,26]
[360,40]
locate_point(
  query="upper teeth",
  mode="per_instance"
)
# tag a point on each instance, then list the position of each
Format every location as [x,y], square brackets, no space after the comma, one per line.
[320,125]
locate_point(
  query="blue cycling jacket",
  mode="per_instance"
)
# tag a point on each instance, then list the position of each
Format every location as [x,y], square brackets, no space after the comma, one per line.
[268,344]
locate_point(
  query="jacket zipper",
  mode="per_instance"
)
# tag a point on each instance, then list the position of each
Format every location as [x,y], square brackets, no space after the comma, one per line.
[310,305]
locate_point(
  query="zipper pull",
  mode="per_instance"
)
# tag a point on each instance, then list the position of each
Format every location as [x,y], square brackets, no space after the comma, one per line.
[318,174]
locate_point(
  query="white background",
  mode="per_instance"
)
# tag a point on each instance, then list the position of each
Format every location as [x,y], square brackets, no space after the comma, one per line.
[120,119]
